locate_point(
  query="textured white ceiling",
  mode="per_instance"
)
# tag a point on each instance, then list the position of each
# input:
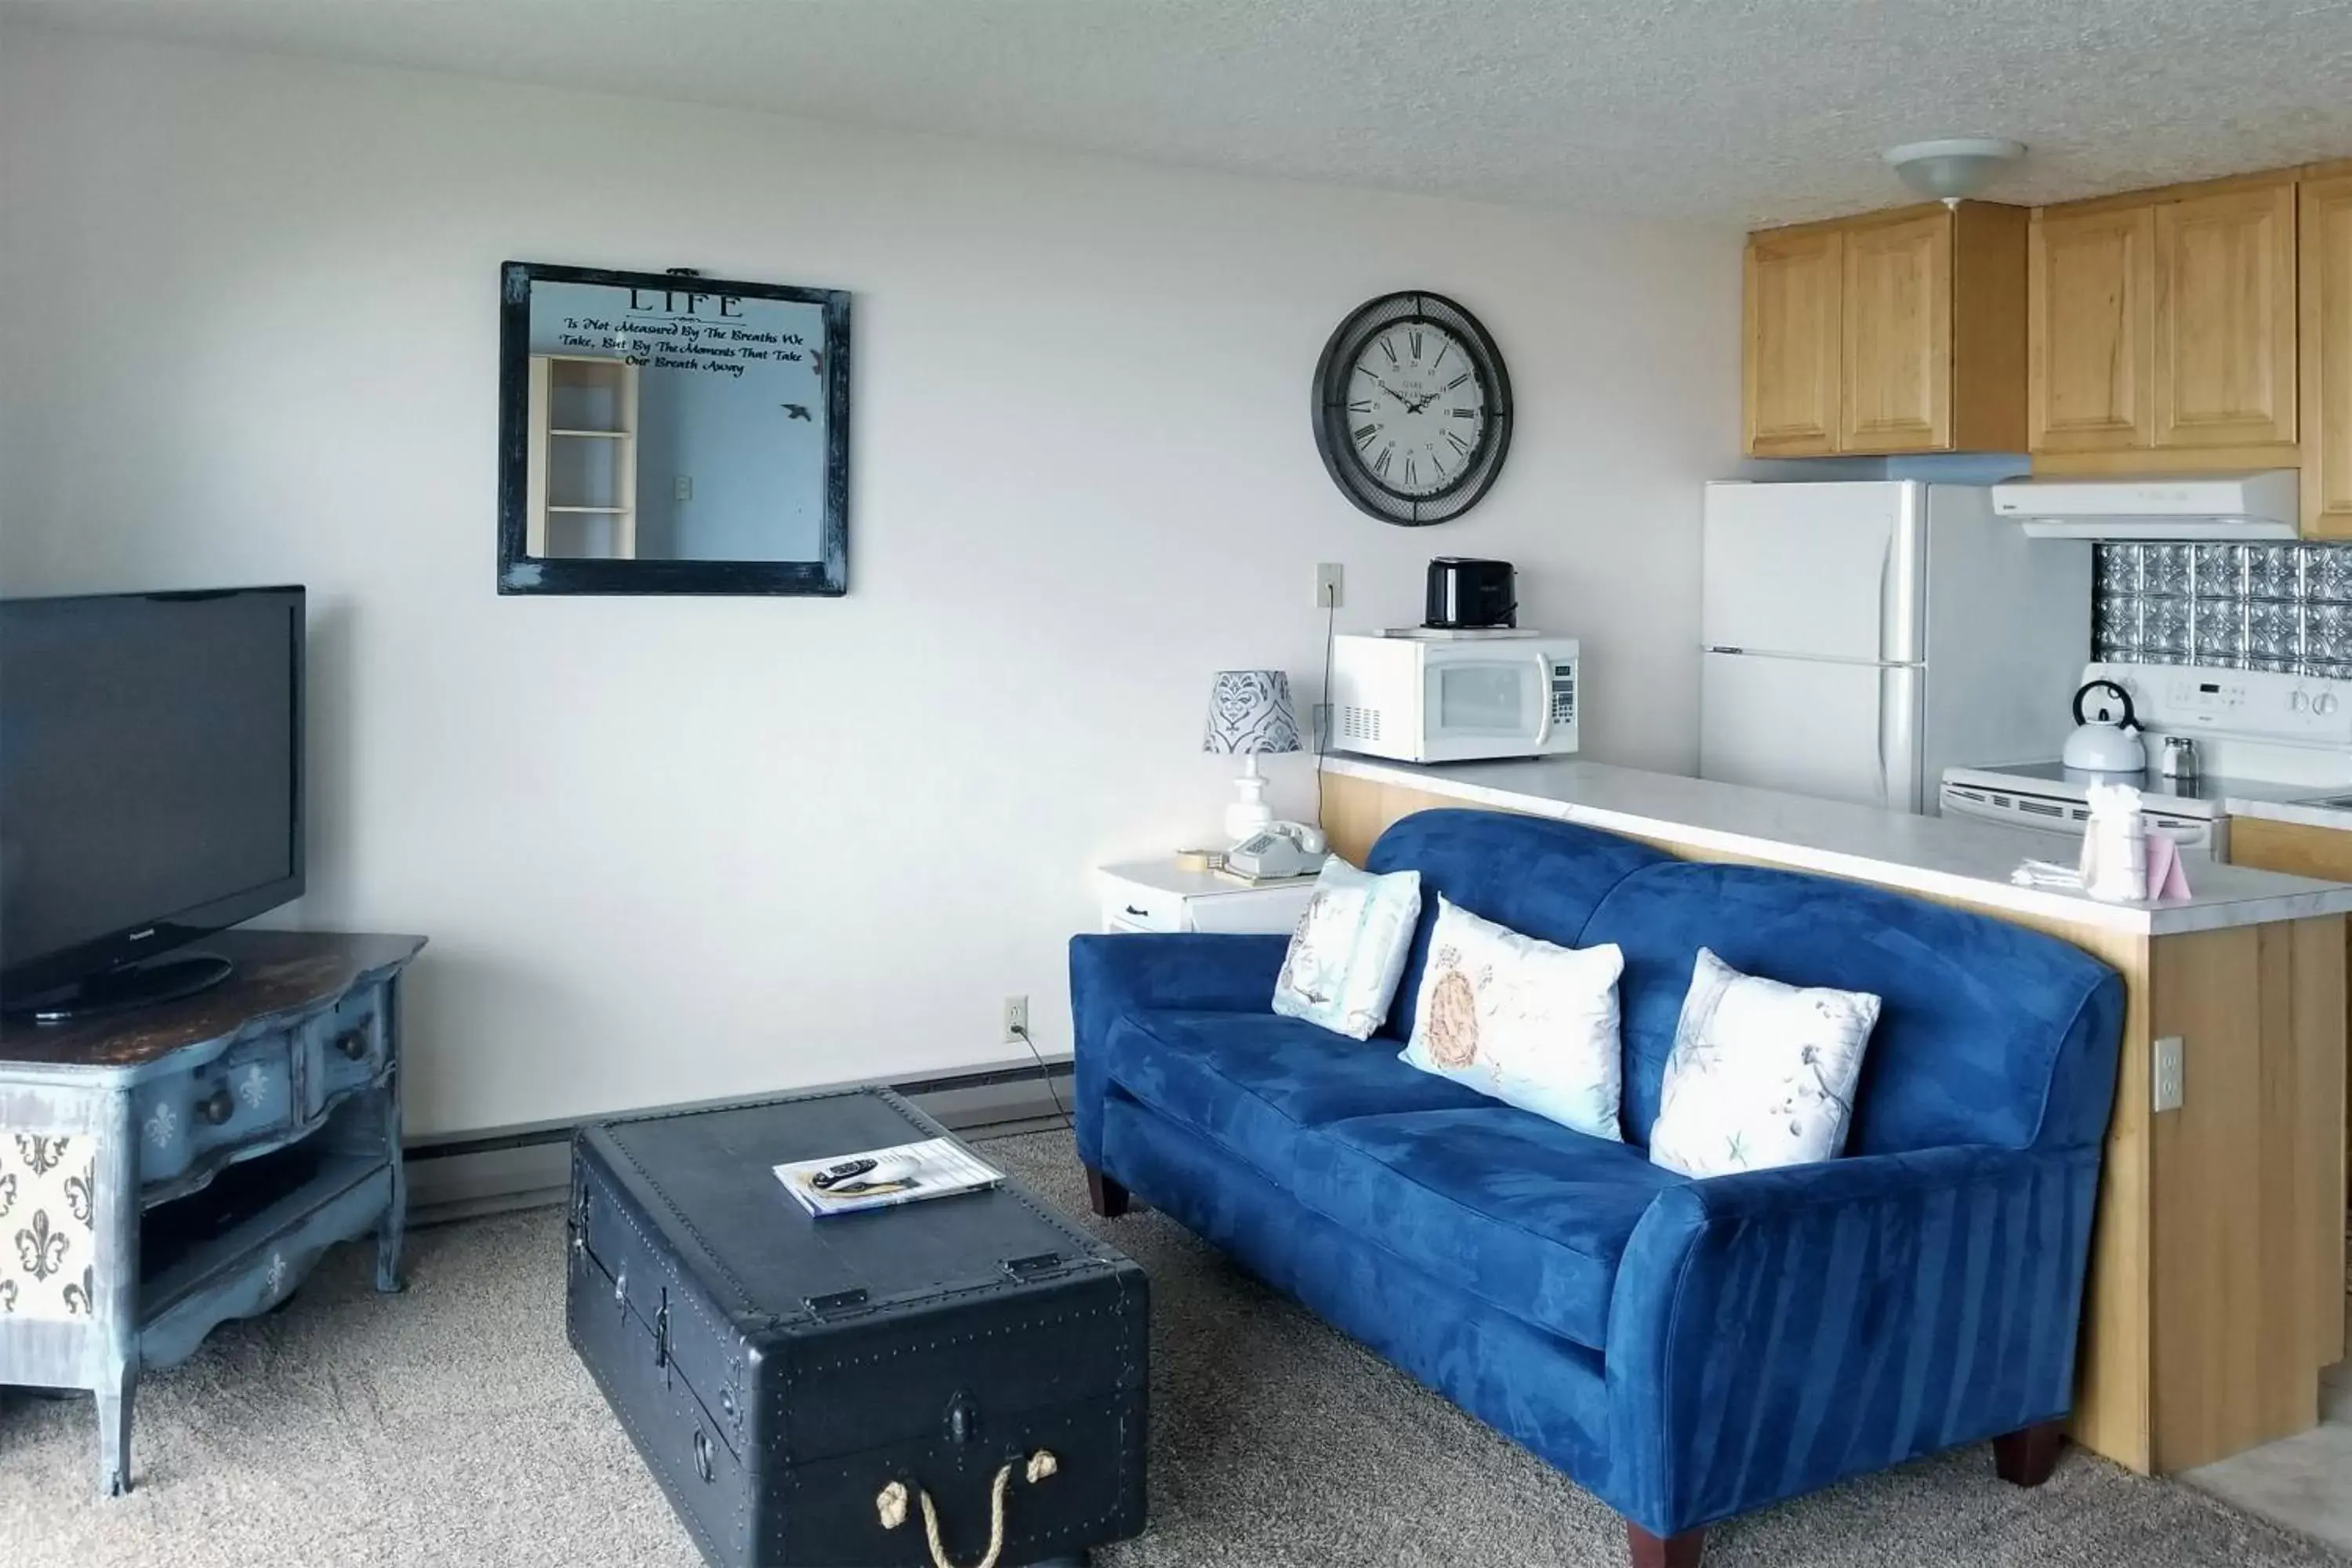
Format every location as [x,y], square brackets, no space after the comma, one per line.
[1720,111]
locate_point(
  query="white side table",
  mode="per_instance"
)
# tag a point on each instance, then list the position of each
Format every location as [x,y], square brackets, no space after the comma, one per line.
[1157,896]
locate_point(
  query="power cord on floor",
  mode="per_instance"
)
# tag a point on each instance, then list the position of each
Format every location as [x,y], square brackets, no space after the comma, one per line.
[1045,1075]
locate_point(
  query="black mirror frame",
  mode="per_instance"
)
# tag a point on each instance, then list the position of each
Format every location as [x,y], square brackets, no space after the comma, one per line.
[523,572]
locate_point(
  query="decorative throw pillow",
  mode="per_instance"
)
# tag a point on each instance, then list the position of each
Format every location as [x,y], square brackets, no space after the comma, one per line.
[1347,953]
[1761,1074]
[1530,1023]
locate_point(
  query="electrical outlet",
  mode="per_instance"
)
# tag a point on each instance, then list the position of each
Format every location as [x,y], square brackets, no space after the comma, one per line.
[2167,1080]
[684,488]
[1330,582]
[1016,1017]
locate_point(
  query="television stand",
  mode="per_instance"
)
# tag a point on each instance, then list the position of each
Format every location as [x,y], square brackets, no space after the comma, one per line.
[166,977]
[171,1169]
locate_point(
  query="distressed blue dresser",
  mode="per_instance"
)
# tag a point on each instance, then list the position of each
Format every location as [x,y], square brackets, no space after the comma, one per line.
[166,1169]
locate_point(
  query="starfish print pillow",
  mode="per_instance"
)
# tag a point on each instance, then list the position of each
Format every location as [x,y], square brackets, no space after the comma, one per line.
[1760,1074]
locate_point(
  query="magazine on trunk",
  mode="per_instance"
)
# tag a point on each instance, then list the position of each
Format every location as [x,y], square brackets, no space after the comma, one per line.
[905,1173]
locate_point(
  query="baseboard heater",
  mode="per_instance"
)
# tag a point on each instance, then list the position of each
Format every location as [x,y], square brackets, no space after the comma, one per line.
[526,1166]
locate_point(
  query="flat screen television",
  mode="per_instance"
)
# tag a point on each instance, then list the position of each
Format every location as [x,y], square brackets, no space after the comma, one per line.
[151,788]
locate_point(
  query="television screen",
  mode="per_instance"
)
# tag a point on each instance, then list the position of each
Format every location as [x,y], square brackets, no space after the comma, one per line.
[151,774]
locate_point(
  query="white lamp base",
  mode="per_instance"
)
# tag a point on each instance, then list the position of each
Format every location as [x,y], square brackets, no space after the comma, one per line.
[1250,814]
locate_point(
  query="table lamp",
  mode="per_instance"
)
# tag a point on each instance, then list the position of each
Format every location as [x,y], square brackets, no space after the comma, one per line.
[1249,716]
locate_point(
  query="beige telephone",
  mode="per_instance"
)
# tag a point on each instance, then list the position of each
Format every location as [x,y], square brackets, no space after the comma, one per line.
[1277,849]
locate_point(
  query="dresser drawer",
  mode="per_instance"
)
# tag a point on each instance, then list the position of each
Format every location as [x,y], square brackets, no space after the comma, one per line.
[190,1121]
[347,1048]
[1129,906]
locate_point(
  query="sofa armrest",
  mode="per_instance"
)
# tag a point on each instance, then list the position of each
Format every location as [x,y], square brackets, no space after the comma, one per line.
[1113,975]
[1773,1332]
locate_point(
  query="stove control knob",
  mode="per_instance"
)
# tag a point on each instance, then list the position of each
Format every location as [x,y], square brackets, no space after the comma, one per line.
[2296,702]
[2324,704]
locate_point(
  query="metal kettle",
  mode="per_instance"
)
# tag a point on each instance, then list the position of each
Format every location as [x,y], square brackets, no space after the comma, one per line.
[2106,743]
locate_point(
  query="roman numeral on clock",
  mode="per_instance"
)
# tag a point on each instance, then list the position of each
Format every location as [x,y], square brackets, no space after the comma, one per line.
[1364,434]
[1413,338]
[1459,444]
[1361,406]
[1466,414]
[1380,463]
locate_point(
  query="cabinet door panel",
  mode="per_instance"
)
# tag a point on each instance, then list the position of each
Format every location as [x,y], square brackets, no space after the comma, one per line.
[2091,326]
[1896,390]
[2225,318]
[2327,357]
[1790,403]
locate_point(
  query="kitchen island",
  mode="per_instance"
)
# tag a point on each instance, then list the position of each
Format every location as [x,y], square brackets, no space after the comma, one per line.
[2217,1275]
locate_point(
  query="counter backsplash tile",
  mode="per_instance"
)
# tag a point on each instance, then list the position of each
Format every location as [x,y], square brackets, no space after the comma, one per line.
[2284,608]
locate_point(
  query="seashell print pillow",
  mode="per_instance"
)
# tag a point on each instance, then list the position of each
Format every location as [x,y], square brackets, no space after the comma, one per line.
[1761,1074]
[1349,951]
[1532,1023]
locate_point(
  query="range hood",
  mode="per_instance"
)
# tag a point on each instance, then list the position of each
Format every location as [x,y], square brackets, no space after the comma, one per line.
[2185,506]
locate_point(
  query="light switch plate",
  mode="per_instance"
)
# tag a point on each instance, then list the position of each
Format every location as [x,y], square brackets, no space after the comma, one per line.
[684,490]
[2166,1080]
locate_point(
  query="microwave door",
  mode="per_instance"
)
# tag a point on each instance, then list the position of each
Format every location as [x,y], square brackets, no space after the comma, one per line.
[1479,708]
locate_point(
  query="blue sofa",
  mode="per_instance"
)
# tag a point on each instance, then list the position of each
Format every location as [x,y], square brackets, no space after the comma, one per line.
[1686,1349]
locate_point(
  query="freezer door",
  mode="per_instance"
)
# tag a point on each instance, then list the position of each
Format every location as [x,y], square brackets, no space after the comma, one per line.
[1823,571]
[1843,732]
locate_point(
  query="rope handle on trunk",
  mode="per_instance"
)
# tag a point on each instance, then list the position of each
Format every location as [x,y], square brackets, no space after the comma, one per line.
[890,1504]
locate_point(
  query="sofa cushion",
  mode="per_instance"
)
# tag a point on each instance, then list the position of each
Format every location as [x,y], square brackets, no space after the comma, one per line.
[1973,1010]
[1519,1211]
[1539,877]
[1252,1081]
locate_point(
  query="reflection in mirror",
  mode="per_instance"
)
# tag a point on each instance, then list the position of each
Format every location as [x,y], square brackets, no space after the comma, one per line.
[675,419]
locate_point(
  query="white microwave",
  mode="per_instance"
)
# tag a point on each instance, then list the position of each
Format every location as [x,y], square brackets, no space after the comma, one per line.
[1453,699]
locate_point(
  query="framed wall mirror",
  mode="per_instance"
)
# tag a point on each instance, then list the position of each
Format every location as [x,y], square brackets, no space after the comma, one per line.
[667,433]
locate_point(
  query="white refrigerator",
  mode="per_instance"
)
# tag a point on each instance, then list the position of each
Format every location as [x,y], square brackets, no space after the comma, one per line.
[1861,636]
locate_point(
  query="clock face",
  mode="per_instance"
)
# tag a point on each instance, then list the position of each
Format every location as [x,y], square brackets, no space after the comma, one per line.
[1419,412]
[1412,409]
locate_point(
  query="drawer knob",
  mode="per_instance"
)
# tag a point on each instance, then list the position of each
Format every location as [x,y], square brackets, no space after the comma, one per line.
[353,1043]
[217,1107]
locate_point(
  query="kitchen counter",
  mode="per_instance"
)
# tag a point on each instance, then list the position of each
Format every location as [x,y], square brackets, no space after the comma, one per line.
[1947,857]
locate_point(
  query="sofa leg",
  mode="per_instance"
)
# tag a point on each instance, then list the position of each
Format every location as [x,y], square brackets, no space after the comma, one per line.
[2026,1458]
[1672,1551]
[1106,1197]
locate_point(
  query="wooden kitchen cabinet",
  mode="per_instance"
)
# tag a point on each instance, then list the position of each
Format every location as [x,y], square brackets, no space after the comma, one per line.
[2225,351]
[1901,332]
[1791,352]
[2163,327]
[2092,289]
[2326,360]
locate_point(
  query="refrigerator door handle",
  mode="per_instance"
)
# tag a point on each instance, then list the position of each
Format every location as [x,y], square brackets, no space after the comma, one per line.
[1898,738]
[1884,780]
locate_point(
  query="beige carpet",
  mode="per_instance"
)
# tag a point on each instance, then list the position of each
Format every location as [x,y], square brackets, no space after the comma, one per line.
[451,1426]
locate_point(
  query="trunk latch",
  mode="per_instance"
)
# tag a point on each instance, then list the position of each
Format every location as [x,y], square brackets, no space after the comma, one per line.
[963,1421]
[839,1301]
[661,1330]
[1031,1266]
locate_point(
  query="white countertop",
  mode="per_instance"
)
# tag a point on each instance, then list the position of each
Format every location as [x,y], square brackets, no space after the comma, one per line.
[1970,860]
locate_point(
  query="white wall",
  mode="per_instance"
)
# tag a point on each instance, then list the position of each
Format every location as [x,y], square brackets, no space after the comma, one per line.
[669,848]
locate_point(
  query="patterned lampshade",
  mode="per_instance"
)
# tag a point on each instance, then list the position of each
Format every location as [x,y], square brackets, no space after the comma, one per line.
[1249,712]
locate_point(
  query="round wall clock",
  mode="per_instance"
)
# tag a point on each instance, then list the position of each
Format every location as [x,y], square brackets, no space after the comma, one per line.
[1412,409]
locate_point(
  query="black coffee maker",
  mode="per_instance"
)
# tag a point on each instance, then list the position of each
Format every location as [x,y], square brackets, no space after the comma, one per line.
[1470,595]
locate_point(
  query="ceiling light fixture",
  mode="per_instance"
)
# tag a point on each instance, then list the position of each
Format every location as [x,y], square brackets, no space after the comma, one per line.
[1954,167]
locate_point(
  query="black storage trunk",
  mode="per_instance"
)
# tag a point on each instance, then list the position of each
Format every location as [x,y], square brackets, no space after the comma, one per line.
[779,1371]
